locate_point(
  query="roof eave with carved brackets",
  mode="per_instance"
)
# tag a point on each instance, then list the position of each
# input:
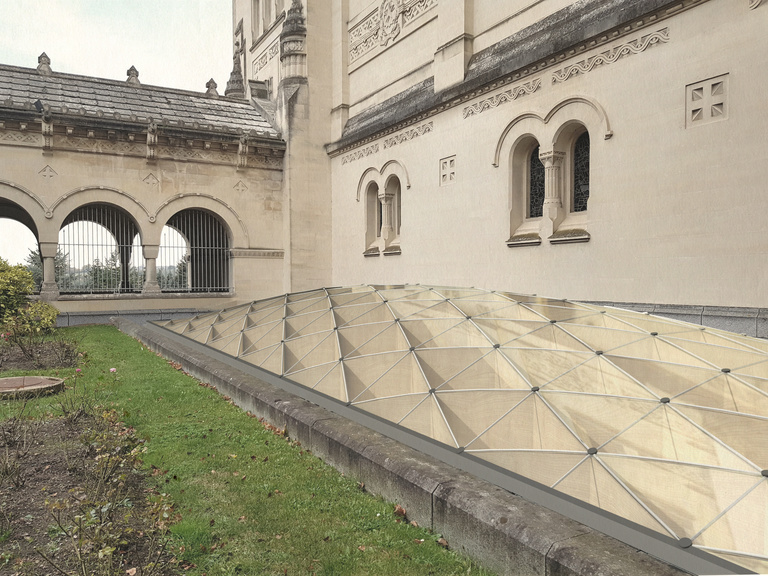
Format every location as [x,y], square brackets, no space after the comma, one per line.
[385,118]
[106,127]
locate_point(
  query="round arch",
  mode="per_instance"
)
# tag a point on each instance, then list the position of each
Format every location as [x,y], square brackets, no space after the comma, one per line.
[234,225]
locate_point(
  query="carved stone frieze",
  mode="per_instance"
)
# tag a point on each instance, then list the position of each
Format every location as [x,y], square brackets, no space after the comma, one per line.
[409,134]
[266,56]
[19,138]
[415,9]
[367,151]
[629,48]
[502,98]
[256,253]
[383,26]
[96,145]
[389,18]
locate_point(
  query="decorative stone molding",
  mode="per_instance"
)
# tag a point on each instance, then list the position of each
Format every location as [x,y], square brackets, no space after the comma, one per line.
[409,134]
[242,152]
[151,180]
[48,172]
[629,48]
[528,239]
[367,151]
[502,98]
[571,236]
[240,187]
[263,253]
[151,142]
[44,64]
[389,21]
[133,76]
[413,10]
[19,138]
[211,89]
[266,56]
[384,25]
[754,4]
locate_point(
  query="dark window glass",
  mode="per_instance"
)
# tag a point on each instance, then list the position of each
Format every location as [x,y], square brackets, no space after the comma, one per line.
[536,185]
[581,173]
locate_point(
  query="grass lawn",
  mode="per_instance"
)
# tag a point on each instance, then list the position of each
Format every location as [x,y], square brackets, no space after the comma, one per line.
[251,501]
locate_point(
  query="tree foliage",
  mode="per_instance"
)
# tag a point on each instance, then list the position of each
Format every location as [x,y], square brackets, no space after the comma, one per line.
[16,283]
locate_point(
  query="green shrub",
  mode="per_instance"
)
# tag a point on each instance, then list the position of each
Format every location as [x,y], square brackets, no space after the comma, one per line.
[16,283]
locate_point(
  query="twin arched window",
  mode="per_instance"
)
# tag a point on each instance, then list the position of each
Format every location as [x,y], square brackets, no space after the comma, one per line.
[566,186]
[382,217]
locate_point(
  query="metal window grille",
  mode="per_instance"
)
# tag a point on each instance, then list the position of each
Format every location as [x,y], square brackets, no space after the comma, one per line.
[194,254]
[98,242]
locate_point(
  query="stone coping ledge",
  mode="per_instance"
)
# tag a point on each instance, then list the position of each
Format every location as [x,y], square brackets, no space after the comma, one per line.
[747,321]
[499,529]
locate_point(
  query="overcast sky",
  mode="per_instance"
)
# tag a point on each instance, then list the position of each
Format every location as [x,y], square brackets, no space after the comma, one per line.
[175,43]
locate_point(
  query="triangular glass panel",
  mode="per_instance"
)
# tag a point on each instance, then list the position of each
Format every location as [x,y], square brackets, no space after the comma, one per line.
[727,393]
[362,371]
[427,419]
[311,350]
[362,314]
[421,332]
[308,323]
[469,413]
[595,419]
[262,336]
[662,378]
[371,339]
[394,408]
[685,497]
[424,310]
[666,435]
[539,367]
[741,433]
[591,483]
[404,377]
[599,376]
[544,467]
[529,425]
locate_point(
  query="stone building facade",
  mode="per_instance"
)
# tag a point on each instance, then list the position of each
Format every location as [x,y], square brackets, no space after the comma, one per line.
[602,151]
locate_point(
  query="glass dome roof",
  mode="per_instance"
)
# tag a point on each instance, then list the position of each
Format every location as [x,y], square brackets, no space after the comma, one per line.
[658,421]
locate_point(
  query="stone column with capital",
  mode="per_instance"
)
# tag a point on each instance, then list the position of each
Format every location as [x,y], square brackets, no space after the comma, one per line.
[151,285]
[50,289]
[387,230]
[552,211]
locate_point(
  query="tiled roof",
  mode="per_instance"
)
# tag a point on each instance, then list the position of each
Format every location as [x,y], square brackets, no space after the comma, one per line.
[73,95]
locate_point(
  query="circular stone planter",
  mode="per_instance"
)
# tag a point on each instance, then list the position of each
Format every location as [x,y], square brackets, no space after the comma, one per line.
[22,386]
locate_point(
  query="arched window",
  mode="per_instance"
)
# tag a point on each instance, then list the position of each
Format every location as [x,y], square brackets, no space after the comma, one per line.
[382,218]
[535,185]
[194,254]
[98,241]
[372,216]
[580,173]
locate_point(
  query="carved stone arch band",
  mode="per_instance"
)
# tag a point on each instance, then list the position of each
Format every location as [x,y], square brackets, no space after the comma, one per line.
[754,3]
[391,167]
[602,116]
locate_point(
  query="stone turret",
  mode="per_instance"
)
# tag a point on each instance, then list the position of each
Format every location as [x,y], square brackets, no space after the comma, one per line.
[293,43]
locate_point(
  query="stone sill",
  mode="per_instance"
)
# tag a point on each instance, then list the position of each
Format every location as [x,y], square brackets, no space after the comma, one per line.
[569,236]
[532,239]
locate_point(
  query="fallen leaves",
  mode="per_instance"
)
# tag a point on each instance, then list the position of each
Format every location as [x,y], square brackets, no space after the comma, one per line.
[399,511]
[443,542]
